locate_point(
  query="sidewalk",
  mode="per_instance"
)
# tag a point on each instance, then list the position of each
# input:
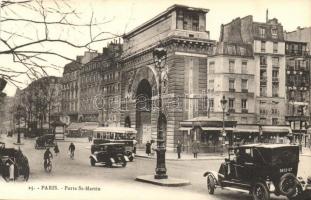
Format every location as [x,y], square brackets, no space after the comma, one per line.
[306,151]
[184,156]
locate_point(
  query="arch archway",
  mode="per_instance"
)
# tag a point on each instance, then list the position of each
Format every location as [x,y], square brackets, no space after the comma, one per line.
[143,111]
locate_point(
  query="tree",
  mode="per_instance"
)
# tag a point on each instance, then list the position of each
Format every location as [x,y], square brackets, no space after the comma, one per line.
[34,32]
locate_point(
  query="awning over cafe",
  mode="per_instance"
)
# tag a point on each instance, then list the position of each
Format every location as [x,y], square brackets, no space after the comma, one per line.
[89,126]
[75,126]
[276,129]
[247,128]
[216,129]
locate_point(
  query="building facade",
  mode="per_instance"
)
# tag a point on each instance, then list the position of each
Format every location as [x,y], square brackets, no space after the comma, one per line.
[231,74]
[182,31]
[269,64]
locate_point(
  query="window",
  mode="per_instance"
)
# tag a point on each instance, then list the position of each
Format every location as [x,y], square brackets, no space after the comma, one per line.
[263,91]
[212,67]
[211,104]
[231,66]
[190,21]
[231,85]
[231,104]
[275,47]
[274,111]
[262,32]
[211,85]
[275,74]
[274,32]
[244,67]
[275,62]
[263,46]
[244,103]
[244,85]
[263,60]
[244,120]
[275,121]
[275,89]
[262,120]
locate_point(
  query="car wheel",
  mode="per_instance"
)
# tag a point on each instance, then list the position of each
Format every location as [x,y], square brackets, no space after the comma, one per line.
[26,173]
[109,164]
[210,184]
[131,158]
[297,193]
[260,192]
[92,162]
[288,184]
[123,163]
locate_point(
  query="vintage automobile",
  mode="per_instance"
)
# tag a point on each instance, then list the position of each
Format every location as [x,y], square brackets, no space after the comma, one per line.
[45,141]
[9,156]
[260,169]
[109,154]
[123,135]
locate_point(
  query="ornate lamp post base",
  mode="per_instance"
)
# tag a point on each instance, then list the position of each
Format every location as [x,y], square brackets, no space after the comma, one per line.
[161,169]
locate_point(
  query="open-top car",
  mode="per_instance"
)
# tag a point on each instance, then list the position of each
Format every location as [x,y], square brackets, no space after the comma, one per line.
[109,154]
[260,169]
[44,141]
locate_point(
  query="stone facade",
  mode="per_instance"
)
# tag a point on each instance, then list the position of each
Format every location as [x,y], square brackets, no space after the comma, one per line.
[269,64]
[181,30]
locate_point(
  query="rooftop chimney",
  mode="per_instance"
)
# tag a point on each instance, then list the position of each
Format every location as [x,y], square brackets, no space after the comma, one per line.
[267,16]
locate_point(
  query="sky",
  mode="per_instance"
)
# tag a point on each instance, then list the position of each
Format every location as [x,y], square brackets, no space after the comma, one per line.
[125,15]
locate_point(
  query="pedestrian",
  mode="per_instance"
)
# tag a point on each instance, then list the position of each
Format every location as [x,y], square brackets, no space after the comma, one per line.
[90,138]
[72,149]
[179,146]
[195,148]
[148,148]
[134,145]
[56,149]
[153,148]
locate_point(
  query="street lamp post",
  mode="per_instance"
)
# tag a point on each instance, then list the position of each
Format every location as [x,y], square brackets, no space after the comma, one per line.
[223,102]
[159,57]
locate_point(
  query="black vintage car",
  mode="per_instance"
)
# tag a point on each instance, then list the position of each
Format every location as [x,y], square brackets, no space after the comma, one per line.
[45,141]
[128,146]
[9,156]
[260,169]
[109,154]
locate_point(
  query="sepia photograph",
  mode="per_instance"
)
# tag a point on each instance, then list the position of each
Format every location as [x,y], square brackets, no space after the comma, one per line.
[149,100]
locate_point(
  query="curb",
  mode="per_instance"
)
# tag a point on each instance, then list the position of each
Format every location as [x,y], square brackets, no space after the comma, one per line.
[175,159]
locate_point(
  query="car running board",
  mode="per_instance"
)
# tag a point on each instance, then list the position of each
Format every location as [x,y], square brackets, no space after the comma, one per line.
[235,189]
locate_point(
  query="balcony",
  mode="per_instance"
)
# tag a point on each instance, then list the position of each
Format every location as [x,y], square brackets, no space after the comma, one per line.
[244,90]
[293,52]
[231,110]
[263,65]
[275,79]
[244,110]
[263,79]
[231,90]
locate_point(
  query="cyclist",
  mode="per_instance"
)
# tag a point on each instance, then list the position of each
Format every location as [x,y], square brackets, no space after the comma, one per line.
[47,156]
[72,150]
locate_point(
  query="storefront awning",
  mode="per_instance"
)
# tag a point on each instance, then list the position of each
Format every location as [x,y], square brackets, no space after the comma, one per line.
[185,128]
[89,126]
[216,129]
[247,128]
[75,126]
[276,129]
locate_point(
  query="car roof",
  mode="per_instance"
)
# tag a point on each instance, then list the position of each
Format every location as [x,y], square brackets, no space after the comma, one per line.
[111,144]
[268,146]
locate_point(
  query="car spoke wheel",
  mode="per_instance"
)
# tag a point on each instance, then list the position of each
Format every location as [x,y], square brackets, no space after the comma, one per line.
[210,184]
[260,192]
[288,184]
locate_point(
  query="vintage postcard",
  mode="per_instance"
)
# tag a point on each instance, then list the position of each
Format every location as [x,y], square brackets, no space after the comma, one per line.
[148,100]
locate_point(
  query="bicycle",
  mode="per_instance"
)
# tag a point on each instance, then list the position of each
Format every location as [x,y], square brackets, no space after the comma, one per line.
[72,154]
[48,165]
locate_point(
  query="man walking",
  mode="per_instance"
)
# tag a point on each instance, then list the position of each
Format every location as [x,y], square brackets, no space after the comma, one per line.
[179,146]
[195,148]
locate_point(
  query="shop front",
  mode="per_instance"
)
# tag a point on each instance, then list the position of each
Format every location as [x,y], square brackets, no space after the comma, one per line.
[208,132]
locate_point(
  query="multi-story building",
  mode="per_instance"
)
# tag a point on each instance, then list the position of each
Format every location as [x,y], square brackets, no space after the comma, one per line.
[71,87]
[297,86]
[111,85]
[182,31]
[231,74]
[300,35]
[269,64]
